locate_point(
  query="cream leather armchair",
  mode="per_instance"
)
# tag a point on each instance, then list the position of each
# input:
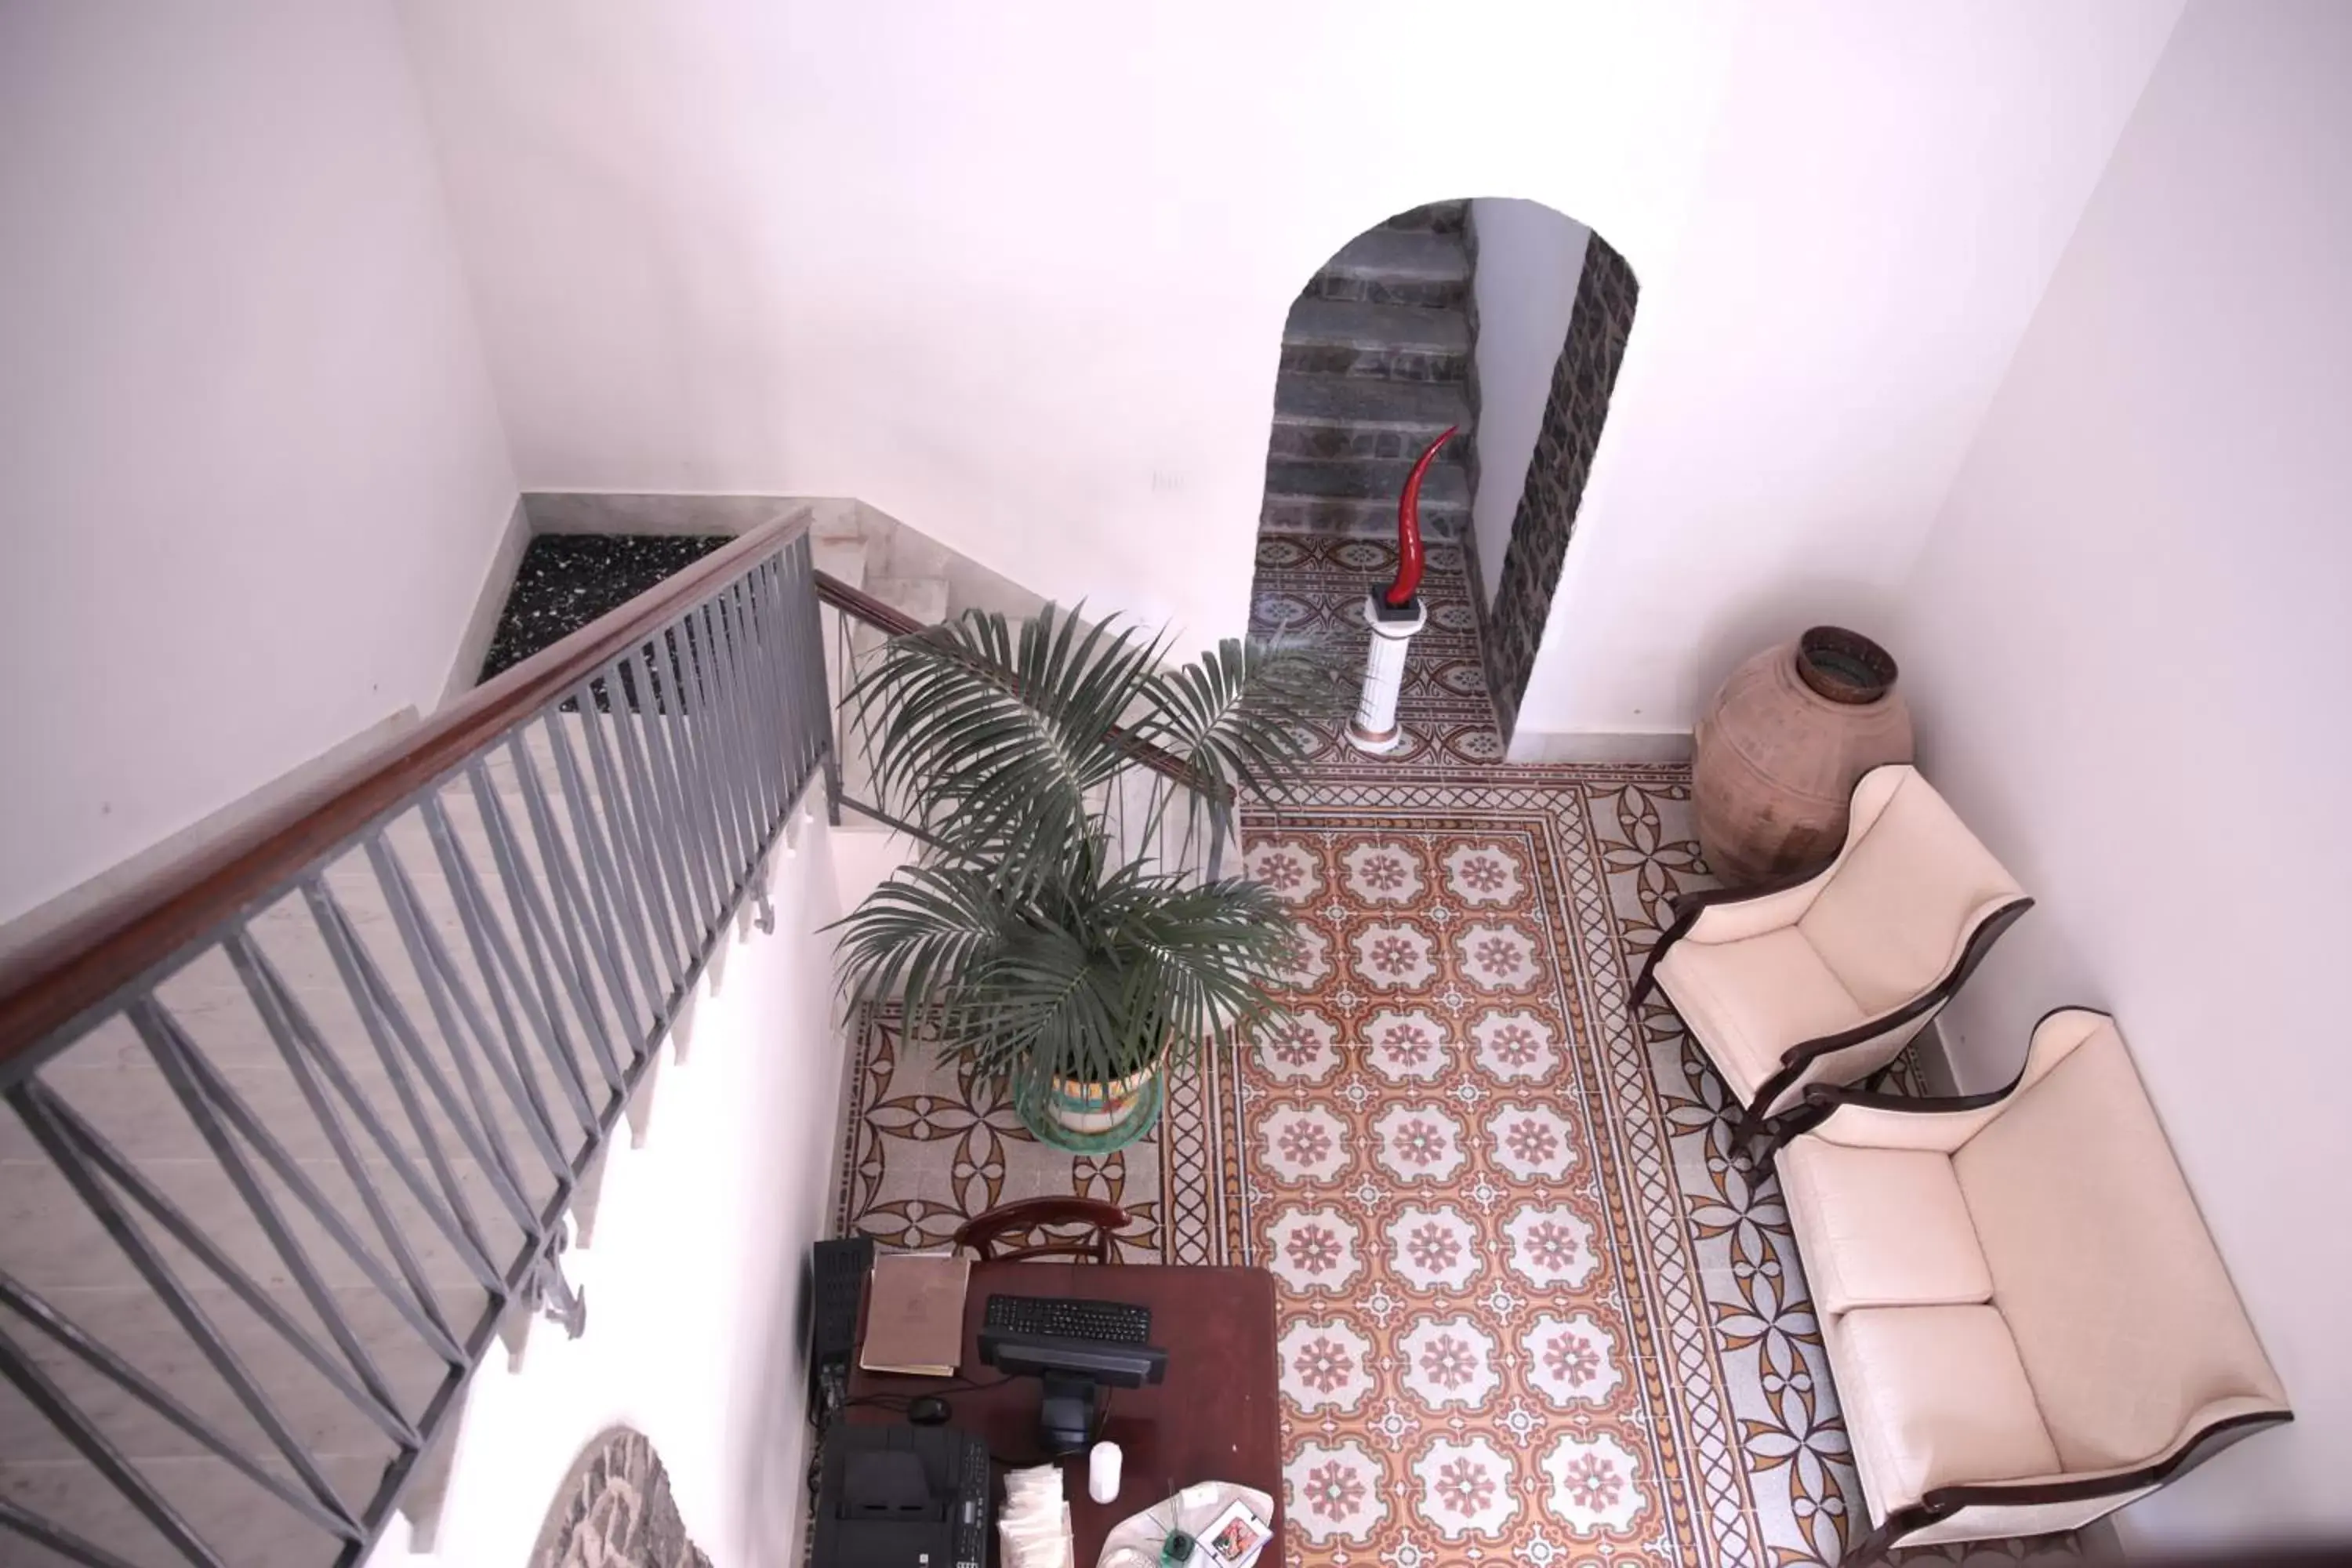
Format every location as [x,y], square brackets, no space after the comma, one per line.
[2027,1322]
[1825,980]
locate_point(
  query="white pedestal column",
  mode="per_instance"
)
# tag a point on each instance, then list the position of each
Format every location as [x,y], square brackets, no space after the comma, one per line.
[1375,728]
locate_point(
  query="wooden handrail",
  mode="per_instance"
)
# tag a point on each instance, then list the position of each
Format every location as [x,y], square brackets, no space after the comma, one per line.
[64,974]
[862,605]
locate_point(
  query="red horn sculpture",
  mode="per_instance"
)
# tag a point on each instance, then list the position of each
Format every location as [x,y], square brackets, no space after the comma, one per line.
[1409,556]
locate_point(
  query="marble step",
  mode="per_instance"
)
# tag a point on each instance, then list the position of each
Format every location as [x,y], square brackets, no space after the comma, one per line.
[1398,342]
[1398,267]
[1361,498]
[1330,418]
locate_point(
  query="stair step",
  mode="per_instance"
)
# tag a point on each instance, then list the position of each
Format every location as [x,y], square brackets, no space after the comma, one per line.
[1445,217]
[1398,267]
[923,598]
[1335,417]
[1400,343]
[1360,498]
[1442,488]
[842,556]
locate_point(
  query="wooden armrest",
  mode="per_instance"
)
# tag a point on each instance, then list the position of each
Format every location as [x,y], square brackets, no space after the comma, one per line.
[2185,1454]
[1858,1118]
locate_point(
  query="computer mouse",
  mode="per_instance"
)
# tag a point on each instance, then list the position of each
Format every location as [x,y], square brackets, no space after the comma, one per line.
[928,1410]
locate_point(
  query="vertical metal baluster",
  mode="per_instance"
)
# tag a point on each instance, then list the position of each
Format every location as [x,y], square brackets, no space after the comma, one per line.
[539,928]
[78,1151]
[613,880]
[666,834]
[215,1108]
[299,1042]
[588,921]
[45,1396]
[795,726]
[709,733]
[691,823]
[1216,840]
[446,994]
[633,845]
[393,1032]
[740,674]
[663,863]
[801,659]
[839,719]
[503,979]
[734,735]
[44,1316]
[766,751]
[334,929]
[771,759]
[685,728]
[171,1051]
[797,631]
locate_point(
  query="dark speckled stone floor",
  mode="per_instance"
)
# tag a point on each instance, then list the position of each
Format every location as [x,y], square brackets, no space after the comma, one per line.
[567,580]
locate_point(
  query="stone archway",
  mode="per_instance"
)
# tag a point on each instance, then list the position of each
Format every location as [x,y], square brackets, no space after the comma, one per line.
[614,1509]
[1506,320]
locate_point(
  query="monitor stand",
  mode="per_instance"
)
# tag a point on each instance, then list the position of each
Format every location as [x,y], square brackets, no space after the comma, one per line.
[1067,1414]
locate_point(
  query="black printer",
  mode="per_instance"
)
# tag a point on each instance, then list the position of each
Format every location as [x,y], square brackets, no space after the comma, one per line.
[901,1497]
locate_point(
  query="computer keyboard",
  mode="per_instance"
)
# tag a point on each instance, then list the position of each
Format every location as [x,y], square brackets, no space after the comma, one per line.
[1065,1317]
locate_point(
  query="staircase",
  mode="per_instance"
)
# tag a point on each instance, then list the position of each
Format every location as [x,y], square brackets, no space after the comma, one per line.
[292,1133]
[1375,363]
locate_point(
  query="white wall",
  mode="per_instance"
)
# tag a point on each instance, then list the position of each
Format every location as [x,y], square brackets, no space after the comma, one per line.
[693,1281]
[2127,643]
[250,466]
[1529,260]
[1016,276]
[1886,192]
[1019,275]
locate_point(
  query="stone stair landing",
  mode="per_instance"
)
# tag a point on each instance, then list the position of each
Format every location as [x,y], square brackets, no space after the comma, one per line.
[1375,361]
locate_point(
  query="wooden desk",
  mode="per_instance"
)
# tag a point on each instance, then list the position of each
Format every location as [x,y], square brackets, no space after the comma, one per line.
[1216,1417]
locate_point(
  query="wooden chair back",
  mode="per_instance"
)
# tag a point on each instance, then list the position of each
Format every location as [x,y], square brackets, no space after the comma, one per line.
[1036,1227]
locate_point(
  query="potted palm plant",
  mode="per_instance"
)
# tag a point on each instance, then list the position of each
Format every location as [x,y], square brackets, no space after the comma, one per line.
[1070,925]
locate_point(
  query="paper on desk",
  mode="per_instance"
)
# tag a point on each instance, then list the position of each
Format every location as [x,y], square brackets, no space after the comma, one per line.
[1134,1541]
[1033,1526]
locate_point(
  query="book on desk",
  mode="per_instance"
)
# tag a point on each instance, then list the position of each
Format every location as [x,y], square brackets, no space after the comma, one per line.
[914,1314]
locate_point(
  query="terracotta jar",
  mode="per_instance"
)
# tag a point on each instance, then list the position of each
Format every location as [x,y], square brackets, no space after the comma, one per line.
[1780,751]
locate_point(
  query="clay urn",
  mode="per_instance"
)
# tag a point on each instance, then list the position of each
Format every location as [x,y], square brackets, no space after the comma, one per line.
[1780,750]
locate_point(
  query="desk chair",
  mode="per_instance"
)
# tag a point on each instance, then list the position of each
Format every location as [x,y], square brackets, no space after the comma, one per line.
[1032,1223]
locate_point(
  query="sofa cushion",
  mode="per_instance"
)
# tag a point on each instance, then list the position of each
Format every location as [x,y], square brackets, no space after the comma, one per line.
[1748,1002]
[2123,1316]
[1881,1228]
[1935,1396]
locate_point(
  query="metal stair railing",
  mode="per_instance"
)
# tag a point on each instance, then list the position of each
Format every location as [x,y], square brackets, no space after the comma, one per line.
[1163,808]
[307,1110]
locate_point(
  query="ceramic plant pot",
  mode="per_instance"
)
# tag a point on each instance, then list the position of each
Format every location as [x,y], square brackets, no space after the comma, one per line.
[1778,751]
[1086,1118]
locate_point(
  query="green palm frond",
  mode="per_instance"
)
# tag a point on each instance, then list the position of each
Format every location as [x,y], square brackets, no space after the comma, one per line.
[1048,937]
[1240,715]
[999,737]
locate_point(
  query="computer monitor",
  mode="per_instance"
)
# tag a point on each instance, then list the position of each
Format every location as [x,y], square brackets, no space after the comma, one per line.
[1074,1373]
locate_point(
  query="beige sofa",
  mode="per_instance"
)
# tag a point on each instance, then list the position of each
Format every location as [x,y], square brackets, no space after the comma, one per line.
[1825,980]
[2027,1322]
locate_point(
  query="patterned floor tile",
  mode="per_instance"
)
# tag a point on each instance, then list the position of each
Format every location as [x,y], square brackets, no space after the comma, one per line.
[1531,1310]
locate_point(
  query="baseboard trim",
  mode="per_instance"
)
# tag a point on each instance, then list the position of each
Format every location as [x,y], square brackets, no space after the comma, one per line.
[614,511]
[1598,746]
[482,625]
